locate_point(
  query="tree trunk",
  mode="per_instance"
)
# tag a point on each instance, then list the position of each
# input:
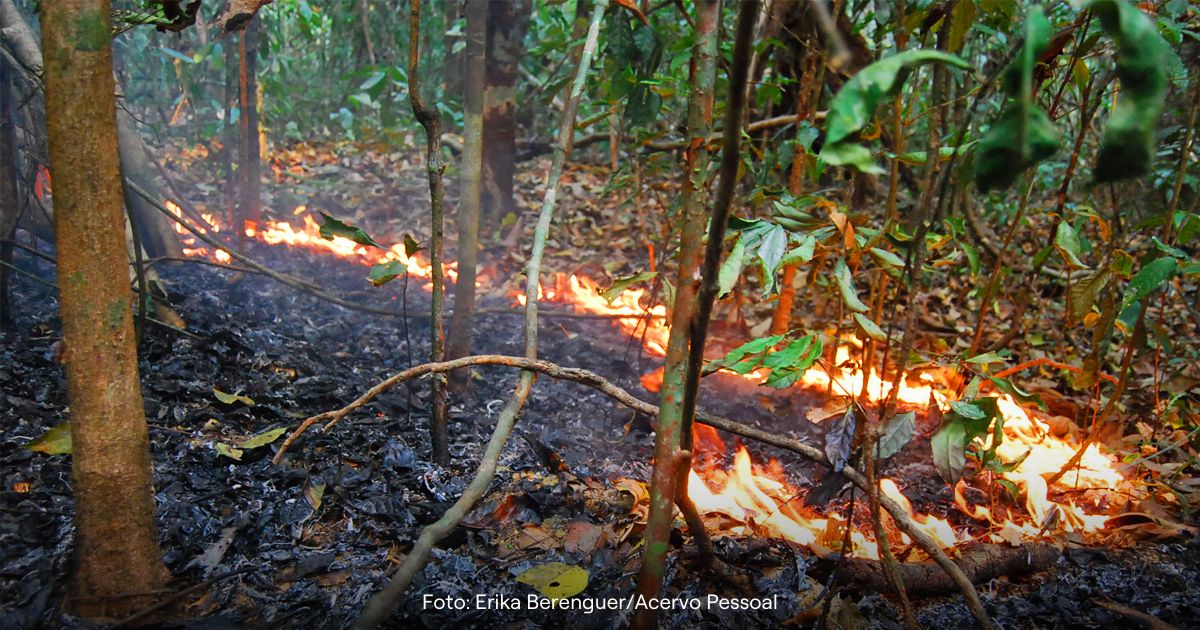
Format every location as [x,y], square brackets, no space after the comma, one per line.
[507,23]
[462,326]
[672,436]
[116,549]
[432,122]
[250,184]
[9,198]
[229,135]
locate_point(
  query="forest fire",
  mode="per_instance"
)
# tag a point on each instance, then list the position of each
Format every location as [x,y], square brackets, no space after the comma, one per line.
[760,500]
[306,236]
[746,498]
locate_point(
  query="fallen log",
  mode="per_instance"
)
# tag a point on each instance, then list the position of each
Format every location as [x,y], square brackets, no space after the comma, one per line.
[980,562]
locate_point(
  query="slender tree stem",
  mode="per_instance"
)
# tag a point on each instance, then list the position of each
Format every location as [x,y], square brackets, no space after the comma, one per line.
[381,605]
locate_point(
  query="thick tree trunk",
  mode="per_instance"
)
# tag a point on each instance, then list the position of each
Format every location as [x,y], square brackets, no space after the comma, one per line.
[116,549]
[507,23]
[249,168]
[463,323]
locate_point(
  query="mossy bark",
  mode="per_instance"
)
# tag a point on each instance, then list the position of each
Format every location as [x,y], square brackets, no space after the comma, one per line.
[116,548]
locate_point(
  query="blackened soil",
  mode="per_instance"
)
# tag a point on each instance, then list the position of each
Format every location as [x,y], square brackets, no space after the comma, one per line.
[314,564]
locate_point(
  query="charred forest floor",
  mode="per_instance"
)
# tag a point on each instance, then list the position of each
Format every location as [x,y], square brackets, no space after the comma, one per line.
[313,538]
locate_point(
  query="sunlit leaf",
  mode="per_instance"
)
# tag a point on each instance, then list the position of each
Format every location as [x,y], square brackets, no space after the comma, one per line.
[556,580]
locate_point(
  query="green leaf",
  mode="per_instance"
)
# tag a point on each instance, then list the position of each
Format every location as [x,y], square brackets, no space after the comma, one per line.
[968,410]
[801,254]
[55,441]
[1017,393]
[841,273]
[385,272]
[620,284]
[262,439]
[858,99]
[949,451]
[1151,276]
[331,227]
[839,440]
[1127,149]
[229,399]
[770,251]
[556,580]
[1067,242]
[790,364]
[887,258]
[869,327]
[895,434]
[744,358]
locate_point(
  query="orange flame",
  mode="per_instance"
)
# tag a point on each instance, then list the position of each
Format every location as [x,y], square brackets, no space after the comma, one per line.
[760,501]
[307,236]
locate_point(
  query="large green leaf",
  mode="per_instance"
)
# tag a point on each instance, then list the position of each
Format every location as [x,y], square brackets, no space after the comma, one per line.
[331,227]
[857,101]
[949,451]
[1151,276]
[1127,149]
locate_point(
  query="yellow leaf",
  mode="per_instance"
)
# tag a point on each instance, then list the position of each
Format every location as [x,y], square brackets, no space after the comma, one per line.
[56,441]
[556,580]
[228,451]
[264,438]
[229,399]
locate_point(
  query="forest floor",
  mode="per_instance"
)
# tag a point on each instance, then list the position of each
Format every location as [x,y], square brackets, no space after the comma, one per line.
[312,538]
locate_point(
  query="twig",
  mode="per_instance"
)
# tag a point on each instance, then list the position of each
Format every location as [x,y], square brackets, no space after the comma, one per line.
[595,381]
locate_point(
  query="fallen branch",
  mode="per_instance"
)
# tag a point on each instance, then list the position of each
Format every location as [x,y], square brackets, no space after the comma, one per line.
[591,379]
[979,563]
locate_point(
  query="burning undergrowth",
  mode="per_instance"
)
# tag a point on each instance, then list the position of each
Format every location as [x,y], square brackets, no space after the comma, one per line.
[318,535]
